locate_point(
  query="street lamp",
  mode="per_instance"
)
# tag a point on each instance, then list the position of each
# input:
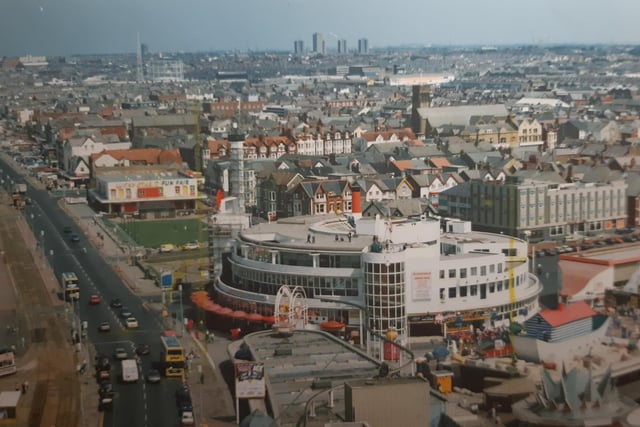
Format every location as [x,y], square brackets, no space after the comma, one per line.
[42,247]
[181,312]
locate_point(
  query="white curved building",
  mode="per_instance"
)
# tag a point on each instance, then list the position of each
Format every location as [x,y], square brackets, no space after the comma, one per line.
[375,274]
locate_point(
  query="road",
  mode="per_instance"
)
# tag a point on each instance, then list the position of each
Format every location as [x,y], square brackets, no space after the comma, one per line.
[138,404]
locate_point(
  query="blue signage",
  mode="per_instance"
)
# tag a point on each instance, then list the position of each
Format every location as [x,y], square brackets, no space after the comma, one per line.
[166,279]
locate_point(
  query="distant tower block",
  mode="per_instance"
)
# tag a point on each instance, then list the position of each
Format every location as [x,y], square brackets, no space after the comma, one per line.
[237,167]
[139,72]
[298,47]
[318,43]
[363,46]
[342,46]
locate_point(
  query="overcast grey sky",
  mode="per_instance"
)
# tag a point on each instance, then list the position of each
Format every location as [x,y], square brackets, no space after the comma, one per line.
[64,27]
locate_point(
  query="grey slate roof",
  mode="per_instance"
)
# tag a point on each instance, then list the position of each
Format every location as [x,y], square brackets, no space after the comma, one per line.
[460,115]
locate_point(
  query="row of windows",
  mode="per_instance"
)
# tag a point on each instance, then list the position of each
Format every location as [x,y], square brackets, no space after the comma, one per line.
[473,271]
[293,280]
[272,289]
[481,289]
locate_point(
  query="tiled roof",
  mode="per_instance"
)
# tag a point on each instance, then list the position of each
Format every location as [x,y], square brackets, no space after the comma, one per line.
[567,314]
[149,156]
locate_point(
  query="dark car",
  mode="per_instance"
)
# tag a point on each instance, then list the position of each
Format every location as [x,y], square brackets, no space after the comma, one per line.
[143,349]
[183,399]
[153,376]
[103,363]
[125,312]
[74,238]
[116,303]
[106,389]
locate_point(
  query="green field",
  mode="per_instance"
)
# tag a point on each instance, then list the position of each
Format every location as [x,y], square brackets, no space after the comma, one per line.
[152,234]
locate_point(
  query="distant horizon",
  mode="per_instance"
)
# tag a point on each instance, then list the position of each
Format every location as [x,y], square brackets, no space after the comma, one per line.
[89,27]
[331,52]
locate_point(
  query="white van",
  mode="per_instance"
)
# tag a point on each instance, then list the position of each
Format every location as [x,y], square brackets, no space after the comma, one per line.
[129,371]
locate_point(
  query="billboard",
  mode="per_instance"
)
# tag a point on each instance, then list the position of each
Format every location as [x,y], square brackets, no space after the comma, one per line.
[422,285]
[249,380]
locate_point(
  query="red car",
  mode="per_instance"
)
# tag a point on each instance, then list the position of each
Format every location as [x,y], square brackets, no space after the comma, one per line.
[94,299]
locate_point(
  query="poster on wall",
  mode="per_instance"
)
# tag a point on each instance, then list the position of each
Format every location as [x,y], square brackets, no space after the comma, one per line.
[249,380]
[421,285]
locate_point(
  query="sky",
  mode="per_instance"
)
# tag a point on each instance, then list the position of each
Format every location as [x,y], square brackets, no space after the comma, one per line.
[69,27]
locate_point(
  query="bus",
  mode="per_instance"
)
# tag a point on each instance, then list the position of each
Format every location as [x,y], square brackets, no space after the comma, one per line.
[7,362]
[172,355]
[70,286]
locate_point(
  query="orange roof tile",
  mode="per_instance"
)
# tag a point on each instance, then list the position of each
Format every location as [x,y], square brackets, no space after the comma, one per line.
[403,164]
[439,162]
[567,313]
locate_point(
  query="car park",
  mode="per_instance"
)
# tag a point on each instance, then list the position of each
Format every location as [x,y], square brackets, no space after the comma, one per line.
[153,376]
[94,299]
[131,322]
[116,303]
[120,353]
[104,327]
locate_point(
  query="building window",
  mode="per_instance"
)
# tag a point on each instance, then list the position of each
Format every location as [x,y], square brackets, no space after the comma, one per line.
[452,292]
[474,290]
[483,270]
[463,273]
[442,274]
[463,291]
[452,273]
[474,271]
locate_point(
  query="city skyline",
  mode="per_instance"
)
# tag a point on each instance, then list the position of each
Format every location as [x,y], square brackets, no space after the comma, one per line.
[68,27]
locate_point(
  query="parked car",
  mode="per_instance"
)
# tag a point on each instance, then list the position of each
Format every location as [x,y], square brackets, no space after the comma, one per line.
[74,238]
[102,363]
[94,299]
[190,246]
[167,247]
[187,418]
[106,389]
[183,399]
[104,327]
[116,303]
